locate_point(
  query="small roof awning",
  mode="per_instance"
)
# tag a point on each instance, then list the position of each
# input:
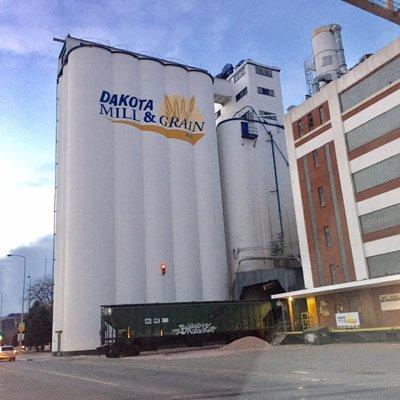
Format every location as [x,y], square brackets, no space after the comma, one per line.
[341,287]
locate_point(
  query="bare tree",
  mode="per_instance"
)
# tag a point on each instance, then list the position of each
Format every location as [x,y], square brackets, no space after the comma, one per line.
[42,291]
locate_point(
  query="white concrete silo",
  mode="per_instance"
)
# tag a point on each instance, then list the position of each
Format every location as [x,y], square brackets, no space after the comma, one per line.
[258,223]
[133,194]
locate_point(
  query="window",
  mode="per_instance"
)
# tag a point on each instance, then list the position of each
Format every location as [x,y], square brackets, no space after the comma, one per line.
[354,304]
[322,115]
[315,158]
[265,91]
[327,60]
[339,309]
[310,122]
[268,115]
[241,94]
[264,71]
[334,270]
[321,196]
[300,126]
[239,74]
[328,237]
[217,114]
[323,308]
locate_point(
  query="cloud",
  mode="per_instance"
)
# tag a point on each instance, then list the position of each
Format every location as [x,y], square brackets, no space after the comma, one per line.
[27,26]
[163,27]
[25,214]
[27,196]
[11,271]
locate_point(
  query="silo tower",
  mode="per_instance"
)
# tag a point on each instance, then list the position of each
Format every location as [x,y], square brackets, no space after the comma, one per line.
[328,55]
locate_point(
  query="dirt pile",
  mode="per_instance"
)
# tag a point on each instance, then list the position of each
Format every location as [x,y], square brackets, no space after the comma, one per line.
[248,343]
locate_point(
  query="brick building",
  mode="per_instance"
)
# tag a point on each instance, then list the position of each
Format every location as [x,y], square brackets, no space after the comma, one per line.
[344,153]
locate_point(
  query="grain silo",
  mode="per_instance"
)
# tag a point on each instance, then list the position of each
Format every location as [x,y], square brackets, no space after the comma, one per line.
[138,186]
[260,228]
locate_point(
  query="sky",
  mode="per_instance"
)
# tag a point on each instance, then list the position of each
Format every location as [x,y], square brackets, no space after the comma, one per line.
[201,33]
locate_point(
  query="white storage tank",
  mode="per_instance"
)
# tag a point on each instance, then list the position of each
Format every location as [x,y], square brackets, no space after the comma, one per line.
[256,223]
[328,53]
[138,186]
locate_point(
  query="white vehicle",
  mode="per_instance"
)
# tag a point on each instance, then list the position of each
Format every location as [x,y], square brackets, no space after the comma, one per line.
[7,353]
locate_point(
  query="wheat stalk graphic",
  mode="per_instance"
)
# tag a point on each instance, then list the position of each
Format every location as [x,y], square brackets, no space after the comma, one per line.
[181,108]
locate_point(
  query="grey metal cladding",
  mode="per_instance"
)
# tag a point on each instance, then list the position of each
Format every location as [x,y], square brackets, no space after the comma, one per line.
[376,174]
[380,219]
[370,85]
[374,128]
[384,264]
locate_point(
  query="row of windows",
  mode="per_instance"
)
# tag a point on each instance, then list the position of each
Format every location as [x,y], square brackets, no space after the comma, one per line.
[374,175]
[310,121]
[241,94]
[259,70]
[239,74]
[381,219]
[374,128]
[264,71]
[265,91]
[250,115]
[370,85]
[260,90]
[267,115]
[263,114]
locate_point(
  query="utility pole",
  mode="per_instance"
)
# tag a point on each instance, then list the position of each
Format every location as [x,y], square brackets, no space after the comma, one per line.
[45,267]
[29,292]
[23,298]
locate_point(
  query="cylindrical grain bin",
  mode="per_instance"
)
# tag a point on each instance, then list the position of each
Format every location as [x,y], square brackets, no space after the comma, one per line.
[328,53]
[251,204]
[138,186]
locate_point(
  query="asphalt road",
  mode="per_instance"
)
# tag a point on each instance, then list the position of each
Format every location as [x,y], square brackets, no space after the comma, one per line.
[346,371]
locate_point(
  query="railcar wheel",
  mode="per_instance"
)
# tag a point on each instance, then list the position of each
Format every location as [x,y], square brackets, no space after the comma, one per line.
[113,352]
[133,351]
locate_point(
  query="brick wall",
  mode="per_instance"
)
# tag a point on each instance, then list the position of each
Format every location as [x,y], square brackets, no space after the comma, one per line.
[366,302]
[316,117]
[330,263]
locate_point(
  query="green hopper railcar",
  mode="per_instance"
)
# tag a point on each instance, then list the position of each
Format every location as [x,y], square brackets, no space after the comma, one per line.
[129,329]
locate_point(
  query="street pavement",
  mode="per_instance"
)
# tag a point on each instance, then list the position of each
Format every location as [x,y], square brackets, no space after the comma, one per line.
[339,371]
